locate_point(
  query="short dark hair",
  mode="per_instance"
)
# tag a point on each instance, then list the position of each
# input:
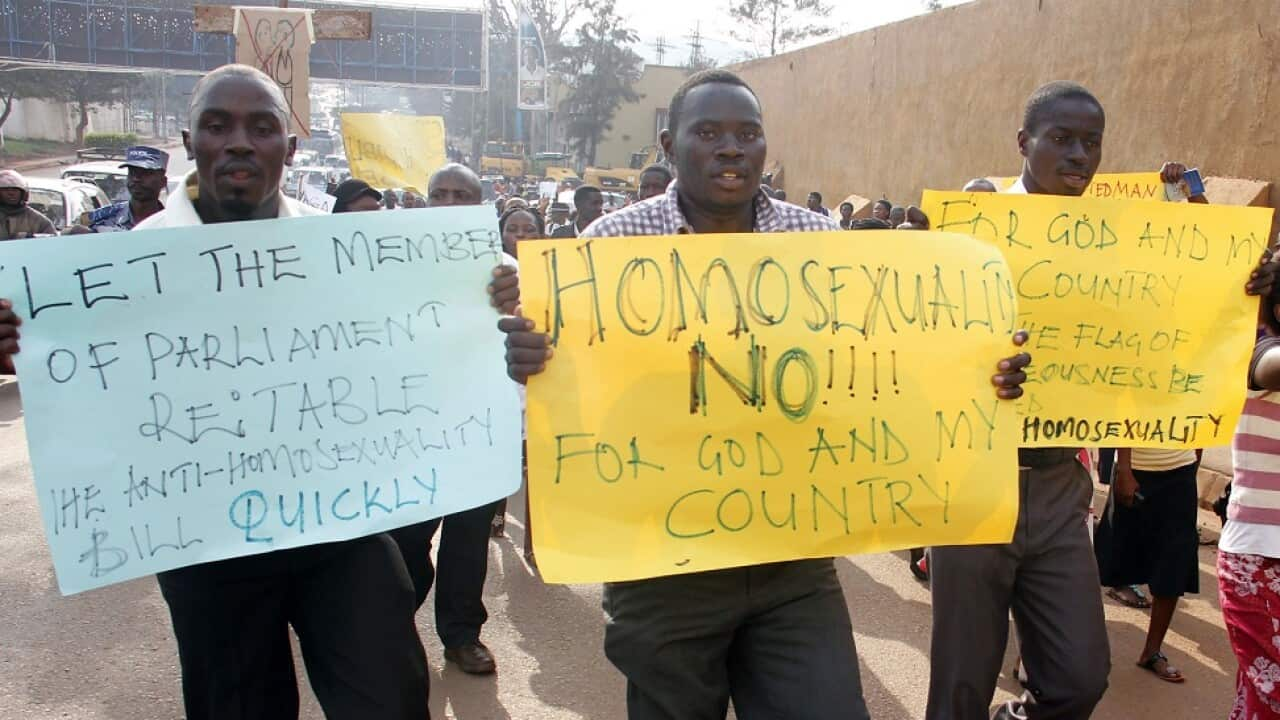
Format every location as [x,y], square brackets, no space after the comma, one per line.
[537,219]
[870,224]
[658,168]
[580,195]
[846,204]
[779,194]
[885,202]
[705,77]
[1037,110]
[816,194]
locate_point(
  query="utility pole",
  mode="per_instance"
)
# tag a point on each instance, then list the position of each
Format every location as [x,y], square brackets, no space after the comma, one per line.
[697,60]
[660,48]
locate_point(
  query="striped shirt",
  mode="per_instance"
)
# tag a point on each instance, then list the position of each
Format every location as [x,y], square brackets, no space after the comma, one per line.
[1253,514]
[660,215]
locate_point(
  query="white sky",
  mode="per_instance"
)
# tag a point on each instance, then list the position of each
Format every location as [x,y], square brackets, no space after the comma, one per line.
[674,21]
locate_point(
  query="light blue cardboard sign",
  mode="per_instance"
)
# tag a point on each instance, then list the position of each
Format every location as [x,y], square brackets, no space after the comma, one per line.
[203,393]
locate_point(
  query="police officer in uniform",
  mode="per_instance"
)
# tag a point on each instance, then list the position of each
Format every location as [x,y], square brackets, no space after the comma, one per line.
[147,184]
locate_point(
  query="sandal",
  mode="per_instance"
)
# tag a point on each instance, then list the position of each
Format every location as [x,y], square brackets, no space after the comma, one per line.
[1131,596]
[1165,672]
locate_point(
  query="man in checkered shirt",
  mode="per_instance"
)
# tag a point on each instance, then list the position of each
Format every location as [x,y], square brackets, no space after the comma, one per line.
[776,638]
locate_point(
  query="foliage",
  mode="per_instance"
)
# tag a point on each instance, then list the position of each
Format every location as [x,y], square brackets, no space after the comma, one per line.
[770,26]
[600,71]
[113,140]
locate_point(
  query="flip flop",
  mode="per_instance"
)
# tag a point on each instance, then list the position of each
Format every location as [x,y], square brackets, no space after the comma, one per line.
[1139,599]
[1169,673]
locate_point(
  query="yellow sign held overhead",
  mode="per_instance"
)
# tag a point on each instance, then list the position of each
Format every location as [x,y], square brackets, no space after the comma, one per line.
[389,150]
[726,400]
[1141,329]
[1112,186]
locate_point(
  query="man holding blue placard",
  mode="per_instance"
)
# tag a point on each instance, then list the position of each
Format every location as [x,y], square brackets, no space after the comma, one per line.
[350,602]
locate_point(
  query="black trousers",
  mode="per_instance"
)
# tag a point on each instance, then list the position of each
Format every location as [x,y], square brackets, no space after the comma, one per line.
[351,605]
[464,563]
[775,638]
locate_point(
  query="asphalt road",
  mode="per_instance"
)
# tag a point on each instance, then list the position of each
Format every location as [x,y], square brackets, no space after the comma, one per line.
[179,165]
[108,654]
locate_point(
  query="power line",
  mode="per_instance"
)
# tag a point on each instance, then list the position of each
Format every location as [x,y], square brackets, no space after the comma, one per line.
[660,48]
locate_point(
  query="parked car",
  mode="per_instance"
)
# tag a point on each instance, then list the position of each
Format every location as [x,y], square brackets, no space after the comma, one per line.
[106,174]
[64,201]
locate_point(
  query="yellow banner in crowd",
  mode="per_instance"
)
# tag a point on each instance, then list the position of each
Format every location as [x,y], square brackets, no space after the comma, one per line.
[389,150]
[1112,186]
[1141,329]
[725,400]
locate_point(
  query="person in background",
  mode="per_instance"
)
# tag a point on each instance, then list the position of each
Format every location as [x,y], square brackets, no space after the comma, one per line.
[516,225]
[354,195]
[1148,536]
[589,202]
[979,184]
[870,224]
[814,204]
[17,218]
[513,202]
[775,638]
[653,182]
[146,184]
[1249,549]
[350,602]
[897,216]
[558,216]
[780,194]
[463,558]
[881,209]
[846,216]
[389,199]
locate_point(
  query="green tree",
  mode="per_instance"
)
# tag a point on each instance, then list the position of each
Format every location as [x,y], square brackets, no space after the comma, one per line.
[83,89]
[600,71]
[770,26]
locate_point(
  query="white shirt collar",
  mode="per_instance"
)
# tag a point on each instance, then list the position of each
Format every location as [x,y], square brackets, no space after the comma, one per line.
[179,211]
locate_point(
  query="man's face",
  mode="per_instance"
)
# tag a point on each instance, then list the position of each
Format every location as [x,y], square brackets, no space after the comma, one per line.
[1064,150]
[364,203]
[719,147]
[881,211]
[452,189]
[11,196]
[846,211]
[145,186]
[240,143]
[652,183]
[814,202]
[590,208]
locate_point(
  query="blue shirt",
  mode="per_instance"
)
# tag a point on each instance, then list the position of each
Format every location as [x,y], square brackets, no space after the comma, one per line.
[112,218]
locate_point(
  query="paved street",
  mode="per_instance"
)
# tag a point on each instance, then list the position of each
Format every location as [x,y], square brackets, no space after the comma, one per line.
[109,654]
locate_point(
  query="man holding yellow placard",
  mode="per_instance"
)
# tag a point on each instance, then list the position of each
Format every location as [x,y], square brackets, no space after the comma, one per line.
[1048,575]
[775,637]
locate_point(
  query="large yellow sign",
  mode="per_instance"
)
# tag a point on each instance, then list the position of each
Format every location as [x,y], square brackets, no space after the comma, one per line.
[1141,329]
[724,400]
[388,150]
[1112,186]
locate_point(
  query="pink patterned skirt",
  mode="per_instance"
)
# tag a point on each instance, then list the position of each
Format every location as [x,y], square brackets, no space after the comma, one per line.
[1249,591]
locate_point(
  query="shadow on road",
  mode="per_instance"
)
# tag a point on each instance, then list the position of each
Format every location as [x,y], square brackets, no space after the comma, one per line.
[569,661]
[10,402]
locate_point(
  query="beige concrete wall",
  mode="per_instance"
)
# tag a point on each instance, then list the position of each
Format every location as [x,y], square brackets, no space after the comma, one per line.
[936,100]
[633,124]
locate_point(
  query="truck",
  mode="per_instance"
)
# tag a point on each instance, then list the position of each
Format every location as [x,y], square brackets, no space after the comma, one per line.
[623,179]
[503,158]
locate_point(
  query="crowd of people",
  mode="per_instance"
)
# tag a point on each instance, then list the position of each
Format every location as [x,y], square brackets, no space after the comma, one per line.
[776,639]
